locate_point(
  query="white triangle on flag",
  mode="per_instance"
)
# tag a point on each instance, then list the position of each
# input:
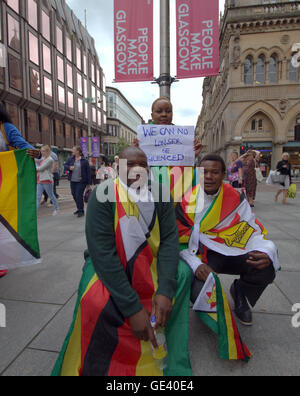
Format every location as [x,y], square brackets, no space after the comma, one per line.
[207,301]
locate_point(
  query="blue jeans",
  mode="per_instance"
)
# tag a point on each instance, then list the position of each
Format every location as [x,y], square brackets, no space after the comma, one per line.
[49,190]
[77,189]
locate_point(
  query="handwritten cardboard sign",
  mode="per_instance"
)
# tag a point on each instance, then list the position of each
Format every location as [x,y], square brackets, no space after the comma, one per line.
[167,145]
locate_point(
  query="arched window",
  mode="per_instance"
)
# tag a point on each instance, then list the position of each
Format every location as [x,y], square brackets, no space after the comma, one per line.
[248,70]
[293,73]
[273,69]
[260,70]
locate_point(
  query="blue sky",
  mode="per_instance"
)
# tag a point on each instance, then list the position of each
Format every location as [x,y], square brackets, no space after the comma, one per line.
[186,94]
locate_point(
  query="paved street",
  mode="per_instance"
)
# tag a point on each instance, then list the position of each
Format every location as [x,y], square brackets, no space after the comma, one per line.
[40,300]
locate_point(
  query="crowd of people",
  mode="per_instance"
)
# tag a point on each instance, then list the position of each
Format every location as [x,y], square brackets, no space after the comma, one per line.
[149,258]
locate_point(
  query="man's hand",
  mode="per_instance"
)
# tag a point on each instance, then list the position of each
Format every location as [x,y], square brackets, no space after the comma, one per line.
[203,272]
[162,309]
[35,154]
[141,327]
[259,260]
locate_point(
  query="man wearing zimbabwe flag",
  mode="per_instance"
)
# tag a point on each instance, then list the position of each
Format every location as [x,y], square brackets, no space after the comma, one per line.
[224,236]
[130,277]
[18,221]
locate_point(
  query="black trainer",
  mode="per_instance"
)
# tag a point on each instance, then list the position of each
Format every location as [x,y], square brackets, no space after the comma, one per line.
[242,309]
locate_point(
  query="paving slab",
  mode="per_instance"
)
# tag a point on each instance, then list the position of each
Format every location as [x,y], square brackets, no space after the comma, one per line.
[53,336]
[24,322]
[274,343]
[32,363]
[53,281]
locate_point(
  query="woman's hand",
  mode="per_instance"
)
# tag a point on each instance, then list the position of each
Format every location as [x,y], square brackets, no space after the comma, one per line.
[197,147]
[136,143]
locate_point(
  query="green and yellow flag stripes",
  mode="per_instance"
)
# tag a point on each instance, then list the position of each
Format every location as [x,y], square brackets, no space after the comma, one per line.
[18,217]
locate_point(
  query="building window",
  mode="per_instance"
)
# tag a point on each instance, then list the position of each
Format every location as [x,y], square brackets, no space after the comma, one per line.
[80,108]
[47,59]
[260,70]
[12,111]
[33,43]
[69,49]
[253,125]
[59,39]
[79,84]
[15,72]
[61,98]
[32,13]
[260,125]
[45,25]
[13,32]
[14,4]
[48,94]
[70,76]
[35,88]
[248,70]
[78,58]
[60,69]
[70,102]
[293,73]
[273,69]
[84,64]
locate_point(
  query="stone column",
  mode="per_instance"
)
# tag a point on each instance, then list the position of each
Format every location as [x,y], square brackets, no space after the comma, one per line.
[277,154]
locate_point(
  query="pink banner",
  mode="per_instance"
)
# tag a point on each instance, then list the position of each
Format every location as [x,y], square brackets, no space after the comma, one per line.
[133,40]
[197,38]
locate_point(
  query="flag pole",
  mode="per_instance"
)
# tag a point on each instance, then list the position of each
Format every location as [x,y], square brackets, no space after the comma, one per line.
[165,80]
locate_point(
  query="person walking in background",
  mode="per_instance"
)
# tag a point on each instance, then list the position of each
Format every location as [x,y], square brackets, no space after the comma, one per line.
[284,168]
[55,172]
[250,162]
[235,171]
[79,174]
[45,178]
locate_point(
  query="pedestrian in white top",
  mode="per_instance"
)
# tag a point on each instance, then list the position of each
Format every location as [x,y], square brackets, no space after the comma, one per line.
[45,178]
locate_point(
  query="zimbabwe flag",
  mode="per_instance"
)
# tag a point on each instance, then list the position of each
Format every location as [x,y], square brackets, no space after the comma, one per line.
[213,308]
[18,216]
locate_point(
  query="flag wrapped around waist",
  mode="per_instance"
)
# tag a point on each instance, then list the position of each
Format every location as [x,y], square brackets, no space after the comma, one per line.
[18,215]
[213,308]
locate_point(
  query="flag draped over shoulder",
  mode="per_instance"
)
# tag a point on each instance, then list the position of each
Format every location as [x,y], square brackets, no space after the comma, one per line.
[213,308]
[100,341]
[229,227]
[18,215]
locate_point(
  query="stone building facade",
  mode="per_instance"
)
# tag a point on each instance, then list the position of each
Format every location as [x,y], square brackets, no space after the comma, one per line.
[48,62]
[122,121]
[255,100]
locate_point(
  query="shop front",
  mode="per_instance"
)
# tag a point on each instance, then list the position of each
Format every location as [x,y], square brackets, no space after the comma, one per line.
[266,151]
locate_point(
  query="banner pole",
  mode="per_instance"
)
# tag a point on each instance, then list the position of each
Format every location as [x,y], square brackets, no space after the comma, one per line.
[165,80]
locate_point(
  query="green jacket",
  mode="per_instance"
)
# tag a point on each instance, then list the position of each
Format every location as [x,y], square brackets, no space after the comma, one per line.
[100,233]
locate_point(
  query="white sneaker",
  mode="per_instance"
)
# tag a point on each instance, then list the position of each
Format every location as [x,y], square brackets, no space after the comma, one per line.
[54,212]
